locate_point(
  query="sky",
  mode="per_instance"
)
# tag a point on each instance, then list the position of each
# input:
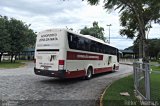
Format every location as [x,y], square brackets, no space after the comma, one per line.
[76,14]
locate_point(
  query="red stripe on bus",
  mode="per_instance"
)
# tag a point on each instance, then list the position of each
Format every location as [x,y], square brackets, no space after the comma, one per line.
[75,74]
[83,56]
[81,73]
[101,70]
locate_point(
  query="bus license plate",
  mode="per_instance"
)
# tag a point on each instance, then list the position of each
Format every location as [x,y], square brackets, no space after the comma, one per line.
[46,67]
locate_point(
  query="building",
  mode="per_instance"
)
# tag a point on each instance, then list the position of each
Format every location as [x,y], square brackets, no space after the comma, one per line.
[127,54]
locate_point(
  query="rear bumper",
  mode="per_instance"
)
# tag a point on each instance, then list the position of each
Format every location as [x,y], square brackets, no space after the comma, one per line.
[59,73]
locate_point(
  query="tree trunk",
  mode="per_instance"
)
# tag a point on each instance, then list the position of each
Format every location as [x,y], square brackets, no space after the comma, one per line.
[15,58]
[143,57]
[19,56]
[144,48]
[140,49]
[142,36]
[1,56]
[11,57]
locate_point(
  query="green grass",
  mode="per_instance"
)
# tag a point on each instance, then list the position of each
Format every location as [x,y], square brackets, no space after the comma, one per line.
[155,82]
[112,95]
[153,62]
[24,60]
[8,65]
[19,61]
[155,86]
[155,68]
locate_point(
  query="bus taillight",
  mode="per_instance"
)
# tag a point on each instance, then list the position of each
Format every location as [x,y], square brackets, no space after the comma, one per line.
[61,64]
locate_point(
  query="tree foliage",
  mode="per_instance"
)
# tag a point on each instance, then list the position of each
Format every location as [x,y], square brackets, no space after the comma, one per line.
[4,36]
[135,17]
[153,48]
[129,48]
[95,31]
[15,36]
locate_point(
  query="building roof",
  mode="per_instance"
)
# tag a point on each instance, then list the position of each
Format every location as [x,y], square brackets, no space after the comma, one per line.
[127,51]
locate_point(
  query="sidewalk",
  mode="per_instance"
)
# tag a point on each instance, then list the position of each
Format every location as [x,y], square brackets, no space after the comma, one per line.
[126,63]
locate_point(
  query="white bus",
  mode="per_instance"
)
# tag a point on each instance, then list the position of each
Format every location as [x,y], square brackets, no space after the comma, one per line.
[65,54]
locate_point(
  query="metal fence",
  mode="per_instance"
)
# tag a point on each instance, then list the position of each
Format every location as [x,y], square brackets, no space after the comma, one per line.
[142,79]
[146,81]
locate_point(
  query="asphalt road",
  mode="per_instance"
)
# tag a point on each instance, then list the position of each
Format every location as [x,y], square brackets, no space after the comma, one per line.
[22,87]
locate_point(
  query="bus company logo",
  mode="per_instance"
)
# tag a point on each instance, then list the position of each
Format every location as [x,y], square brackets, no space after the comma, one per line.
[83,56]
[48,37]
[88,57]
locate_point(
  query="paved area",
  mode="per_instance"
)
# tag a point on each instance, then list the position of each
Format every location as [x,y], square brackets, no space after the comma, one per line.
[28,89]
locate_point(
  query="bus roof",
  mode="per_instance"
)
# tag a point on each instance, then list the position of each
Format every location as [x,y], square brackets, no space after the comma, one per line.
[86,36]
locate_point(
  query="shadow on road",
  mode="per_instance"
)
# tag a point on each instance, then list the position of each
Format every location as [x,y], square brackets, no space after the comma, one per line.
[72,80]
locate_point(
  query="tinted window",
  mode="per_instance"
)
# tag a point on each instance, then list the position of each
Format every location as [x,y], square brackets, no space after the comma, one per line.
[81,43]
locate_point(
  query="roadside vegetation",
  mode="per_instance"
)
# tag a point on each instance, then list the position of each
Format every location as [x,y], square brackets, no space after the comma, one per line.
[155,88]
[16,64]
[155,66]
[15,36]
[153,49]
[112,95]
[133,21]
[155,80]
[95,31]
[9,65]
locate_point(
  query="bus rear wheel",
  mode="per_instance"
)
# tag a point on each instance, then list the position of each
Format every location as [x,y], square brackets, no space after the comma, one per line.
[89,73]
[114,68]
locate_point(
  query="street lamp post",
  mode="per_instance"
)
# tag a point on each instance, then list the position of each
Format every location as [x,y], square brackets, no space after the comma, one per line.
[109,31]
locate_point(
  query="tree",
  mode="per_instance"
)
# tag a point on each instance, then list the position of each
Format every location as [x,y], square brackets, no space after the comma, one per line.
[135,16]
[129,48]
[94,31]
[17,33]
[153,48]
[21,36]
[15,36]
[158,57]
[30,38]
[4,36]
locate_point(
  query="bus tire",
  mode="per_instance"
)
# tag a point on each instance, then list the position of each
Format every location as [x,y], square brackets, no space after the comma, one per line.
[114,68]
[89,73]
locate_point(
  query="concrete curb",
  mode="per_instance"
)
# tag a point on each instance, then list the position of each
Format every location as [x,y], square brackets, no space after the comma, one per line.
[126,64]
[101,98]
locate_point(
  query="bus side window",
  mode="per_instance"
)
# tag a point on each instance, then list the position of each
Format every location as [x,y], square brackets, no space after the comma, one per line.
[86,45]
[71,38]
[71,41]
[109,59]
[92,46]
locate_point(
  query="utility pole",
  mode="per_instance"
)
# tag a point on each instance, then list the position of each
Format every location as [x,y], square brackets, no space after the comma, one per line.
[109,31]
